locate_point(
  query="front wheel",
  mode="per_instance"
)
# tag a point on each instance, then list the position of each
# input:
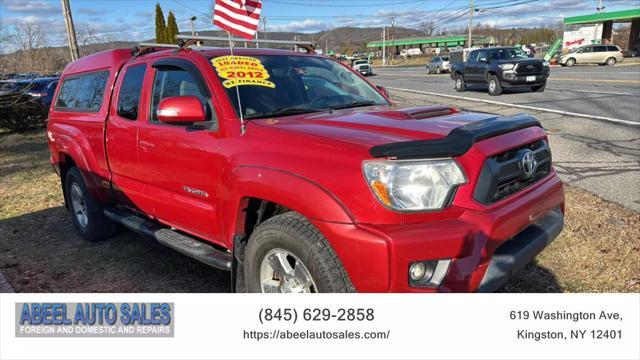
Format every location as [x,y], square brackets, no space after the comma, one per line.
[494,86]
[428,72]
[438,71]
[287,254]
[611,61]
[539,88]
[460,85]
[86,212]
[571,62]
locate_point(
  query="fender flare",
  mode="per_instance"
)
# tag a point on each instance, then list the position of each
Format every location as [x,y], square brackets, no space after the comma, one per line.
[288,189]
[85,161]
[282,187]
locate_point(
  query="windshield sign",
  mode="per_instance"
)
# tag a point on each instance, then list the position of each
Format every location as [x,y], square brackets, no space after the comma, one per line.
[276,85]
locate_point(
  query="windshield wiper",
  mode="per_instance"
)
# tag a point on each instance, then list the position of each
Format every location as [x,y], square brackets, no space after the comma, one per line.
[283,111]
[355,103]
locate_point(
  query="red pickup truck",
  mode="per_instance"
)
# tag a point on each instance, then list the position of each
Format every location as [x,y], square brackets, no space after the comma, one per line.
[296,174]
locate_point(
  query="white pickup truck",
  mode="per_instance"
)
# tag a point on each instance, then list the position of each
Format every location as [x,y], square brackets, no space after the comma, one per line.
[363,67]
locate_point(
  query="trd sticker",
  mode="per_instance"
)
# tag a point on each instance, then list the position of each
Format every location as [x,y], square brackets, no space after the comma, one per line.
[241,70]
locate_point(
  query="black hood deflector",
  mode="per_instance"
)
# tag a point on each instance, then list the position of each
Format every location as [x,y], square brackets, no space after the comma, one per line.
[457,142]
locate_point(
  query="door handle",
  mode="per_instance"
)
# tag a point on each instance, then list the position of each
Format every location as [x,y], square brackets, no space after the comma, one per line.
[147,146]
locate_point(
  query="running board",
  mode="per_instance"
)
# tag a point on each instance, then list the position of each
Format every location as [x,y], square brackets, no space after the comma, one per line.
[184,244]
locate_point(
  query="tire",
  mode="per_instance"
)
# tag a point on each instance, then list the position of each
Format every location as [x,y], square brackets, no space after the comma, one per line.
[570,62]
[460,85]
[611,61]
[291,239]
[428,72]
[438,71]
[86,212]
[539,88]
[494,86]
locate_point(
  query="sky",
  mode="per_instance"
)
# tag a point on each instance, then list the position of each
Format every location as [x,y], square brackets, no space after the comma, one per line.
[134,19]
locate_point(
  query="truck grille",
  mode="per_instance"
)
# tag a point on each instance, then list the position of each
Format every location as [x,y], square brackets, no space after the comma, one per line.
[529,68]
[504,174]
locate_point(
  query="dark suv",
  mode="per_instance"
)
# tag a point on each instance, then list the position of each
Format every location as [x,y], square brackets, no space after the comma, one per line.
[500,67]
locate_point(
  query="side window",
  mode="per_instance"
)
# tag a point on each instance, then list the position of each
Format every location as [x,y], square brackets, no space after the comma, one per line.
[67,95]
[612,48]
[129,96]
[473,56]
[172,81]
[83,93]
[483,54]
[600,48]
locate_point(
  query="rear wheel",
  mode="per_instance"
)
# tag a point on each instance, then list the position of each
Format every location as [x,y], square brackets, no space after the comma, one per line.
[570,62]
[494,86]
[86,212]
[287,254]
[539,88]
[611,61]
[460,86]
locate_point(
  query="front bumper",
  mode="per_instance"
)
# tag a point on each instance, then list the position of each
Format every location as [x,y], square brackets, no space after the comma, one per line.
[511,79]
[485,246]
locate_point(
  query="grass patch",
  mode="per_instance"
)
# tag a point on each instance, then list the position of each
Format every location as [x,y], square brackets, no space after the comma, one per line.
[40,251]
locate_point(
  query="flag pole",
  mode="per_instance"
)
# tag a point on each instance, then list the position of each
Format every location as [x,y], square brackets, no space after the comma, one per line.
[243,127]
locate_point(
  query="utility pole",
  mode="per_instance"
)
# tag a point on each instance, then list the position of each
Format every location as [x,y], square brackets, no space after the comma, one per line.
[193,25]
[71,32]
[384,48]
[391,33]
[264,27]
[470,22]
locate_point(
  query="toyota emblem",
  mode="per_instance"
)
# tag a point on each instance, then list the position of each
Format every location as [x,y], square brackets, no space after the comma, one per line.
[529,163]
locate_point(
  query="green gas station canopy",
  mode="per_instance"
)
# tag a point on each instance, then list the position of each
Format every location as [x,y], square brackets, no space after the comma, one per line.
[605,16]
[439,41]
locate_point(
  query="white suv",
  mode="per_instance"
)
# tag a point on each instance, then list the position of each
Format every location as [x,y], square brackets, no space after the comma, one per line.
[363,67]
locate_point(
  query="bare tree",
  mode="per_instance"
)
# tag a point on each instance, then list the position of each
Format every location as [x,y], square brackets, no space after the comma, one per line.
[30,37]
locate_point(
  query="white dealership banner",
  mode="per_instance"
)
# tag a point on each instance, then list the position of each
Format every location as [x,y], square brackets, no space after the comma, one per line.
[582,35]
[324,326]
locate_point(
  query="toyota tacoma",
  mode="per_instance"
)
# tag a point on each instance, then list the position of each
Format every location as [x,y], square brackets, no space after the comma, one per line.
[295,174]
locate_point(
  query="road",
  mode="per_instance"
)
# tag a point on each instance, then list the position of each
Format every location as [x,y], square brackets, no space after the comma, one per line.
[610,92]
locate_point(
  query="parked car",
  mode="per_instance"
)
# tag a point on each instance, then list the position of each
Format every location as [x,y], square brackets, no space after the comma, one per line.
[500,67]
[438,65]
[628,53]
[321,186]
[363,67]
[593,54]
[41,90]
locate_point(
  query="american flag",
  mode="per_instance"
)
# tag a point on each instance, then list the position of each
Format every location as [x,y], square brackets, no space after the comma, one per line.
[239,17]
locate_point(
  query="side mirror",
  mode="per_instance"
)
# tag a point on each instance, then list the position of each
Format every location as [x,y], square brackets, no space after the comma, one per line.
[181,109]
[383,90]
[483,59]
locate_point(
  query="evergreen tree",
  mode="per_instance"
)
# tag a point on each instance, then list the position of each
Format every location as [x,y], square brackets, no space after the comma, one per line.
[172,29]
[160,25]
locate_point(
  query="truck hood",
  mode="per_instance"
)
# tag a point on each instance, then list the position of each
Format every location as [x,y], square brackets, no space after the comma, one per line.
[377,125]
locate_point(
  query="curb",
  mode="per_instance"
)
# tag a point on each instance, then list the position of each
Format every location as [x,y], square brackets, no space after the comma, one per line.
[5,287]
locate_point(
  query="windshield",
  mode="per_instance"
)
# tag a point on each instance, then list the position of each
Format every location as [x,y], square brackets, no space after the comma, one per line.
[445,58]
[361,62]
[277,85]
[508,54]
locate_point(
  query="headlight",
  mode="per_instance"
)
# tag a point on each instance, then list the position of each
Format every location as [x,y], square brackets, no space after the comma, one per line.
[545,63]
[412,185]
[507,66]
